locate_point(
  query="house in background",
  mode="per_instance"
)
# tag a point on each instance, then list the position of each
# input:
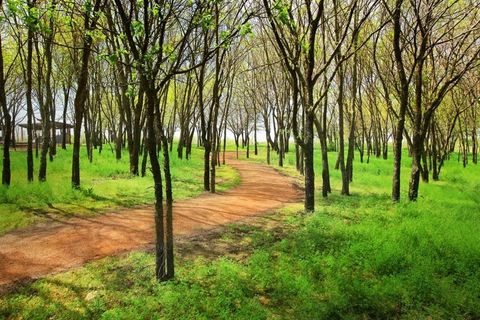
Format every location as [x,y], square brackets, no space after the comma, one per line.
[21,134]
[37,128]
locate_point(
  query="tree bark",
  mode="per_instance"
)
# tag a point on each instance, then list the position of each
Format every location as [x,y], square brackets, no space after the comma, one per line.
[28,95]
[309,163]
[66,96]
[398,142]
[6,170]
[48,106]
[341,134]
[81,95]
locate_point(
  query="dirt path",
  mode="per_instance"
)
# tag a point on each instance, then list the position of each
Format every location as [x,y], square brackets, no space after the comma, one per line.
[40,250]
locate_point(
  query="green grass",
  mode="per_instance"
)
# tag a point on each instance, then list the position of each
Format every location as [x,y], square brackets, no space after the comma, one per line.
[106,185]
[357,257]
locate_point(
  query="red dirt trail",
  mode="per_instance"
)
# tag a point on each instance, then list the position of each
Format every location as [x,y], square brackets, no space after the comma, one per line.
[40,250]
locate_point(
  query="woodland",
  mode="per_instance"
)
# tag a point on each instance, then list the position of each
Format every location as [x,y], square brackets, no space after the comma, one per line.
[351,126]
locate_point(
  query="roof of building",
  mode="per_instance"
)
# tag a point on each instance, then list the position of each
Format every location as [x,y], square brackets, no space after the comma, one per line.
[38,125]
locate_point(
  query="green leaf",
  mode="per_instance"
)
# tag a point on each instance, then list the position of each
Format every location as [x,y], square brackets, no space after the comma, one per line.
[246,29]
[137,28]
[281,10]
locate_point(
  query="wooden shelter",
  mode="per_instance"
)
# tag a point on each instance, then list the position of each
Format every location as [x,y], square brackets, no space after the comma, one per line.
[37,128]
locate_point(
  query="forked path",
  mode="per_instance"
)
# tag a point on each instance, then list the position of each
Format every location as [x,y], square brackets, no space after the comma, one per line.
[40,250]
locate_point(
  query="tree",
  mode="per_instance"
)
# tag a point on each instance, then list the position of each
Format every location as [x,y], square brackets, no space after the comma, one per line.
[90,19]
[6,171]
[434,53]
[47,106]
[296,28]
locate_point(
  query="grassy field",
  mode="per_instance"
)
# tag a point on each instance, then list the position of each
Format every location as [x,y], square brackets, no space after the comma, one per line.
[106,185]
[357,257]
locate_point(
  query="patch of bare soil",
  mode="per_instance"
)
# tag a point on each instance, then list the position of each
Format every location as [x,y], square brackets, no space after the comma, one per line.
[46,249]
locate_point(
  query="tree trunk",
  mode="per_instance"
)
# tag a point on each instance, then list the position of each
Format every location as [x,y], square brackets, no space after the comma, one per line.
[324,149]
[47,108]
[66,96]
[160,265]
[6,170]
[28,96]
[206,167]
[170,273]
[341,132]
[145,153]
[309,163]
[80,100]
[281,149]
[418,138]
[415,173]
[268,153]
[404,87]
[137,133]
[255,142]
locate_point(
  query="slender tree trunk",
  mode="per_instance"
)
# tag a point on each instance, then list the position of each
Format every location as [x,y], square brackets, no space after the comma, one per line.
[145,154]
[324,149]
[137,133]
[6,170]
[160,265]
[268,153]
[309,163]
[341,133]
[28,95]
[224,140]
[213,132]
[119,140]
[326,188]
[418,139]
[181,141]
[351,149]
[281,149]
[80,100]
[66,96]
[206,167]
[474,142]
[88,133]
[351,137]
[247,144]
[42,170]
[12,126]
[255,133]
[170,272]
[297,157]
[416,169]
[404,87]
[213,168]
[48,107]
